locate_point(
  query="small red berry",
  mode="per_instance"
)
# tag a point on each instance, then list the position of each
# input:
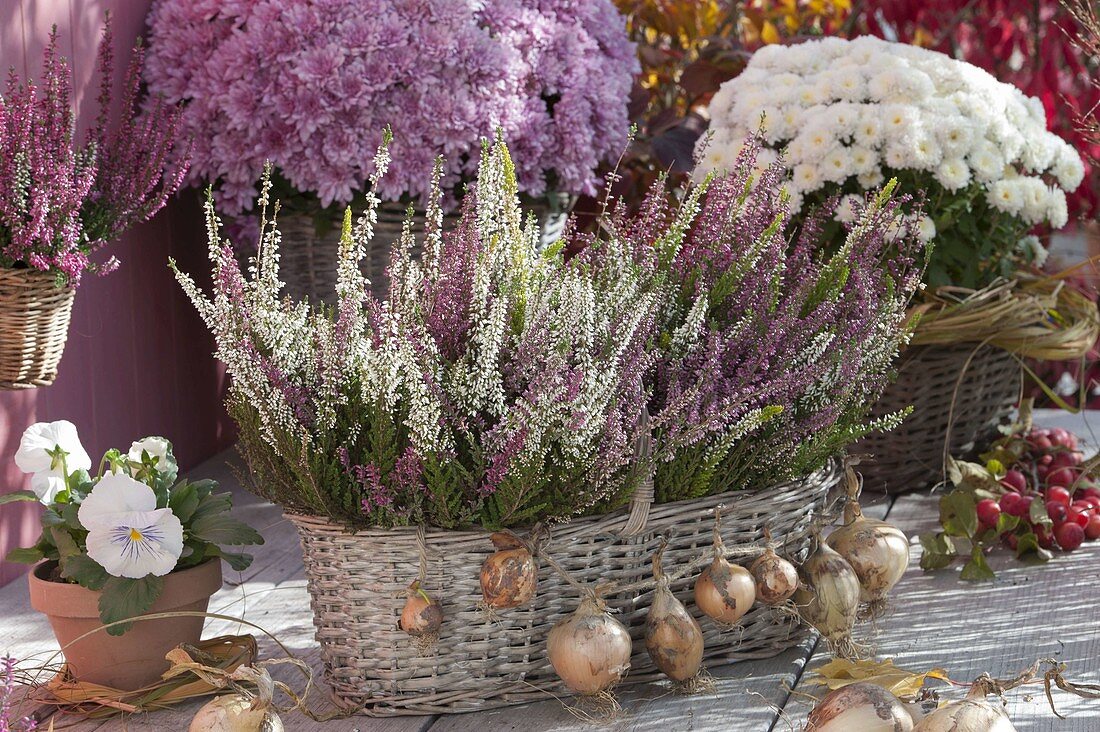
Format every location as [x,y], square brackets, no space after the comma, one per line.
[1042,442]
[1011,541]
[1058,512]
[1083,506]
[1062,476]
[1058,493]
[1069,536]
[1020,507]
[1044,536]
[1008,502]
[1015,480]
[1042,471]
[1047,461]
[1092,531]
[988,511]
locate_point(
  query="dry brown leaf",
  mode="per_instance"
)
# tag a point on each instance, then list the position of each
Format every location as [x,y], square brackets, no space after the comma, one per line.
[900,682]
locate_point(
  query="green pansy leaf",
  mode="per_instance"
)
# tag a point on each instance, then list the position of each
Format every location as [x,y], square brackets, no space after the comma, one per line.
[65,543]
[239,561]
[51,517]
[221,528]
[85,571]
[123,598]
[183,500]
[18,497]
[27,555]
[211,504]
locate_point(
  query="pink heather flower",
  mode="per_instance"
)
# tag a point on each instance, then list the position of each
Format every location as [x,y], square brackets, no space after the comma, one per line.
[311,85]
[61,200]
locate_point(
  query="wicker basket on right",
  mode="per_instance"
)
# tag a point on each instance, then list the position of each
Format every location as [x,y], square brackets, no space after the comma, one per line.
[965,411]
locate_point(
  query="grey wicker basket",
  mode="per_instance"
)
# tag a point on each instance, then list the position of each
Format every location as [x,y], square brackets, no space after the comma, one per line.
[308,260]
[34,327]
[357,583]
[959,392]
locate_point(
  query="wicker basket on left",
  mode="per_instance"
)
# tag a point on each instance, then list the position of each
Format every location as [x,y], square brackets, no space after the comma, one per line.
[34,325]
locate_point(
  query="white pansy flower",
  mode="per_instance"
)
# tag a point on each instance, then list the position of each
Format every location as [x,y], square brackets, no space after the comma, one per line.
[42,438]
[157,447]
[127,534]
[33,456]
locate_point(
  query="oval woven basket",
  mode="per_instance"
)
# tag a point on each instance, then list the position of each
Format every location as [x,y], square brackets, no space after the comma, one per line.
[357,583]
[308,260]
[34,326]
[967,411]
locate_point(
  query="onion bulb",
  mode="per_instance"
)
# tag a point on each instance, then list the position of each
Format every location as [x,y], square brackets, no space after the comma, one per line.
[973,714]
[861,706]
[775,578]
[673,637]
[589,650]
[724,591]
[509,577]
[235,713]
[829,599]
[876,550]
[422,616]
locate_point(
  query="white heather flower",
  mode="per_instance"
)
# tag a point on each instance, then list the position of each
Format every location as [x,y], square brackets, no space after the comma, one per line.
[1006,196]
[156,447]
[127,534]
[953,174]
[1033,250]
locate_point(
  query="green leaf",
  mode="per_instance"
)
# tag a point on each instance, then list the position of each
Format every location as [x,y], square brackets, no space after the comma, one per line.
[18,496]
[977,569]
[51,517]
[221,528]
[65,543]
[970,475]
[1006,522]
[958,513]
[1037,512]
[123,598]
[183,500]
[28,555]
[85,571]
[71,515]
[238,561]
[211,504]
[1029,551]
[938,551]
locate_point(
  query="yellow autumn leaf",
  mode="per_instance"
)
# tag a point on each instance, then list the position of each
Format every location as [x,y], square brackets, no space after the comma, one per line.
[769,34]
[898,681]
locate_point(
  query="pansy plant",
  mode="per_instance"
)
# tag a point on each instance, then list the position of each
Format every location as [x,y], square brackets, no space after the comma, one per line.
[122,530]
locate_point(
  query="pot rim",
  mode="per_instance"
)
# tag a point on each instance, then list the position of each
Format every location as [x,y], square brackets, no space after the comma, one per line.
[61,599]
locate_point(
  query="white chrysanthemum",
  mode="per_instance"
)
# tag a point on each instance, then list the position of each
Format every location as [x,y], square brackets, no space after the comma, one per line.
[986,161]
[925,152]
[836,165]
[810,94]
[1006,196]
[847,83]
[847,207]
[1057,212]
[925,228]
[953,174]
[871,179]
[814,142]
[863,160]
[899,120]
[955,135]
[1033,250]
[806,177]
[869,130]
[1068,168]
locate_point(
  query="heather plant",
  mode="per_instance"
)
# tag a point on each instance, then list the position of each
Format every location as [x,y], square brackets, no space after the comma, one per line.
[309,86]
[8,722]
[770,352]
[493,385]
[62,200]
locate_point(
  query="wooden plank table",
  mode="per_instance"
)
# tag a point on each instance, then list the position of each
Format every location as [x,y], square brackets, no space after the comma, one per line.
[936,620]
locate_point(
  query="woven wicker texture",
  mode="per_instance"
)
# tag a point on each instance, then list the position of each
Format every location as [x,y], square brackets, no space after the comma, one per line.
[911,457]
[308,261]
[357,583]
[34,325]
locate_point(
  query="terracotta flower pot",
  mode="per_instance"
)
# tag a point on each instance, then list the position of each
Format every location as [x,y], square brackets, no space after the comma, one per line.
[136,658]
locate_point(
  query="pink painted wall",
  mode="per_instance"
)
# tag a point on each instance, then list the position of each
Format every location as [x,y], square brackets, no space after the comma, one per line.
[138,360]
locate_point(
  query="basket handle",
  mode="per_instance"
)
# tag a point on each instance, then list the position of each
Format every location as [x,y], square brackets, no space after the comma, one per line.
[642,498]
